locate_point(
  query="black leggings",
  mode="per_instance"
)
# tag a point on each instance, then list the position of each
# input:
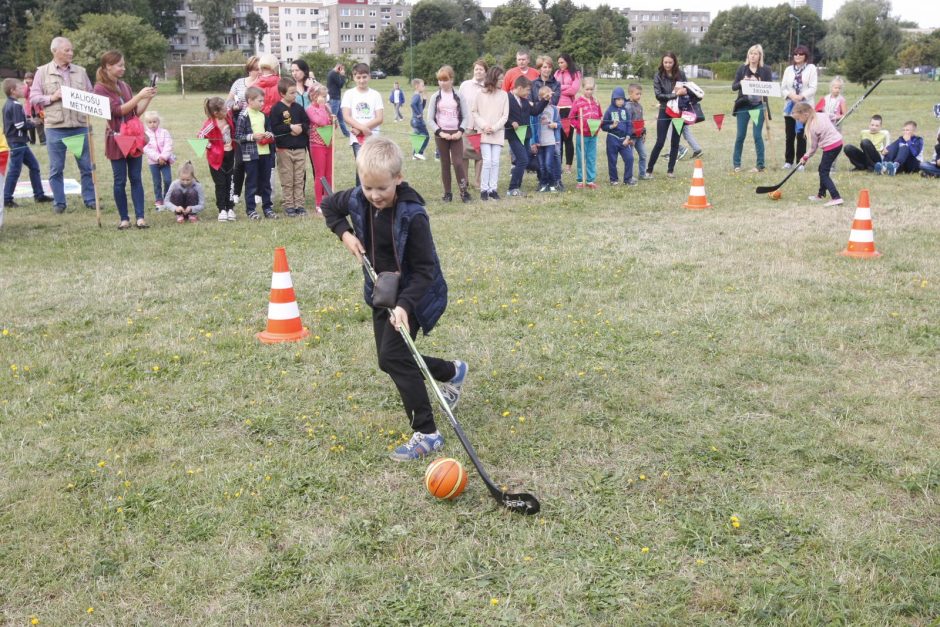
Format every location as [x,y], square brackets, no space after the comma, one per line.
[663,123]
[792,138]
[567,141]
[238,173]
[863,156]
[222,178]
[826,183]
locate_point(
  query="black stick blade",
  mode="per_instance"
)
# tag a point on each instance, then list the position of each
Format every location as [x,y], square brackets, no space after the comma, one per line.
[767,190]
[521,503]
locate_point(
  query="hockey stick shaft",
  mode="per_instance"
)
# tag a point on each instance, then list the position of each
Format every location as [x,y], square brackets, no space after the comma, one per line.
[859,102]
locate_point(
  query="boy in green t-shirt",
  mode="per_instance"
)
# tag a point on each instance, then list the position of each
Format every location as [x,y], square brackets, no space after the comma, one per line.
[253,133]
[872,148]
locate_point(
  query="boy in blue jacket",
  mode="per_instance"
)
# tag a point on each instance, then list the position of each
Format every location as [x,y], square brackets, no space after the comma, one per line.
[618,122]
[903,154]
[546,142]
[385,219]
[16,127]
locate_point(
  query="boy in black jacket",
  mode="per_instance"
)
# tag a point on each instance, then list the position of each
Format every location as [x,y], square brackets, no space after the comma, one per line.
[520,109]
[385,219]
[290,126]
[16,127]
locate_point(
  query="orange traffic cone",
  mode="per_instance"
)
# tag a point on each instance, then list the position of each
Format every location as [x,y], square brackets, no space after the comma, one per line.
[283,313]
[862,237]
[697,199]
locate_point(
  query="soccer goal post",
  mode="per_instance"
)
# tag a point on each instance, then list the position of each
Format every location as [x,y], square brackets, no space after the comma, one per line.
[183,71]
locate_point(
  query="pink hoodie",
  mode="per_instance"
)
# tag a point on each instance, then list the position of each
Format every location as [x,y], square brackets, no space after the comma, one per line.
[159,146]
[822,132]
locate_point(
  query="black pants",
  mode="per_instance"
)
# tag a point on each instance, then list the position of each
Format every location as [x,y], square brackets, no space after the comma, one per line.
[663,124]
[567,141]
[825,180]
[793,139]
[238,173]
[864,156]
[395,359]
[222,178]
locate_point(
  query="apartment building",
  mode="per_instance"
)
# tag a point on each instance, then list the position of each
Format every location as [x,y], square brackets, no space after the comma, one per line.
[815,5]
[189,42]
[351,27]
[293,27]
[694,23]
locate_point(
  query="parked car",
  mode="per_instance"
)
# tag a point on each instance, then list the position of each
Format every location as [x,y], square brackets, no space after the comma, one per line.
[378,74]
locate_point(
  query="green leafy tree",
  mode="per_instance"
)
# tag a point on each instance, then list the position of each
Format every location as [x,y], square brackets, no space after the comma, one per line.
[500,44]
[561,13]
[924,50]
[161,14]
[389,50]
[216,80]
[593,35]
[448,48]
[217,16]
[844,27]
[33,50]
[142,46]
[519,17]
[14,16]
[543,38]
[430,17]
[869,56]
[732,32]
[654,42]
[256,27]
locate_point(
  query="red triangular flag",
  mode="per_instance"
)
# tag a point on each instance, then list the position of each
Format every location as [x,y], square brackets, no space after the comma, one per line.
[475,141]
[719,118]
[565,126]
[638,126]
[125,143]
[4,157]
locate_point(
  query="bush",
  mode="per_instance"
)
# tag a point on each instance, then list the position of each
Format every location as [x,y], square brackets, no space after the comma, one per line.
[215,80]
[142,46]
[723,70]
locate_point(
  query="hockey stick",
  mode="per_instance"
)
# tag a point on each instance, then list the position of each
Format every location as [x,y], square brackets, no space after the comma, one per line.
[773,188]
[858,102]
[521,502]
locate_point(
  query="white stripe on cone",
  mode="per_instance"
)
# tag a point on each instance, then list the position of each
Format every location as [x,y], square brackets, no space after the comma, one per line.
[697,191]
[281,281]
[862,237]
[698,173]
[283,311]
[863,213]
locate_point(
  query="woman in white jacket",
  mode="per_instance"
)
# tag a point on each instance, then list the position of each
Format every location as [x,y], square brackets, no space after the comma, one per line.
[798,85]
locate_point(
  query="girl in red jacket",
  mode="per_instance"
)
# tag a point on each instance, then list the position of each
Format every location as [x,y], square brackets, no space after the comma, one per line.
[583,109]
[221,154]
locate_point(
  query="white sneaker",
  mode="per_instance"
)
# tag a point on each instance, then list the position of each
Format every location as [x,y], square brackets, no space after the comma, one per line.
[223,216]
[231,215]
[787,166]
[235,199]
[419,157]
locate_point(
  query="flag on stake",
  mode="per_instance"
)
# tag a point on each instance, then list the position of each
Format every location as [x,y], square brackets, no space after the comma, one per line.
[75,144]
[638,126]
[125,142]
[565,126]
[521,132]
[475,141]
[416,141]
[4,158]
[678,123]
[594,125]
[199,146]
[755,115]
[719,118]
[325,133]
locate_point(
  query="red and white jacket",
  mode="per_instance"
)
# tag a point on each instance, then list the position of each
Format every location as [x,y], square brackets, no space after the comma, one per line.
[583,110]
[212,131]
[160,146]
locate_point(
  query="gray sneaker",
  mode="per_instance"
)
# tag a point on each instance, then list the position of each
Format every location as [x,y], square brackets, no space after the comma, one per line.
[683,151]
[451,389]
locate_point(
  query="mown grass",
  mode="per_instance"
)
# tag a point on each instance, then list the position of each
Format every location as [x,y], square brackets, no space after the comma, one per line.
[647,371]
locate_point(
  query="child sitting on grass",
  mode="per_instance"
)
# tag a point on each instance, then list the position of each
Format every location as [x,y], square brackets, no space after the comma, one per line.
[185,197]
[872,147]
[385,219]
[932,168]
[903,154]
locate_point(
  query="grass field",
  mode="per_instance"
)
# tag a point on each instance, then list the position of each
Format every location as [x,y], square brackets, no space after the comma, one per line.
[726,422]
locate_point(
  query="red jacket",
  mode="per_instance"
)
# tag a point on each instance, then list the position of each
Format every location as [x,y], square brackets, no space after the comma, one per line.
[215,151]
[583,110]
[268,83]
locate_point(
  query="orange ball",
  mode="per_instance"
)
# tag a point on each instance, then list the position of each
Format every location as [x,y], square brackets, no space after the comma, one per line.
[445,478]
[776,195]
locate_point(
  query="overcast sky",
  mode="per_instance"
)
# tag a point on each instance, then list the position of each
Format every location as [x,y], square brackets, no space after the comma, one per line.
[925,12]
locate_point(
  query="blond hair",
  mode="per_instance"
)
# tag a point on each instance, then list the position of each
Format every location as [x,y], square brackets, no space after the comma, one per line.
[269,62]
[187,168]
[545,89]
[380,154]
[588,81]
[805,109]
[446,73]
[152,115]
[758,49]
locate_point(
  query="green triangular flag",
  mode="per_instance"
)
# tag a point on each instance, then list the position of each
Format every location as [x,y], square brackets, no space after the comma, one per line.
[755,115]
[594,125]
[75,144]
[416,141]
[520,132]
[199,146]
[678,123]
[325,133]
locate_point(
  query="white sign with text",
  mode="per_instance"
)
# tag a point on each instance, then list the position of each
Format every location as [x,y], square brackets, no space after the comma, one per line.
[86,102]
[760,88]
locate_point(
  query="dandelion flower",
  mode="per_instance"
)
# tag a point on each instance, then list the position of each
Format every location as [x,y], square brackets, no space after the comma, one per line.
[494,601]
[645,549]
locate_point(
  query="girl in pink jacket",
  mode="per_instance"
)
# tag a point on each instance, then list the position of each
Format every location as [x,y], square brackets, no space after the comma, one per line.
[159,151]
[570,79]
[821,133]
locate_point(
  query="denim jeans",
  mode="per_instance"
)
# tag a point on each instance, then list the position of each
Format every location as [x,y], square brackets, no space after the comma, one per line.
[420,128]
[549,165]
[162,177]
[21,155]
[258,182]
[902,156]
[640,145]
[57,152]
[521,159]
[124,169]
[744,121]
[930,168]
[338,112]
